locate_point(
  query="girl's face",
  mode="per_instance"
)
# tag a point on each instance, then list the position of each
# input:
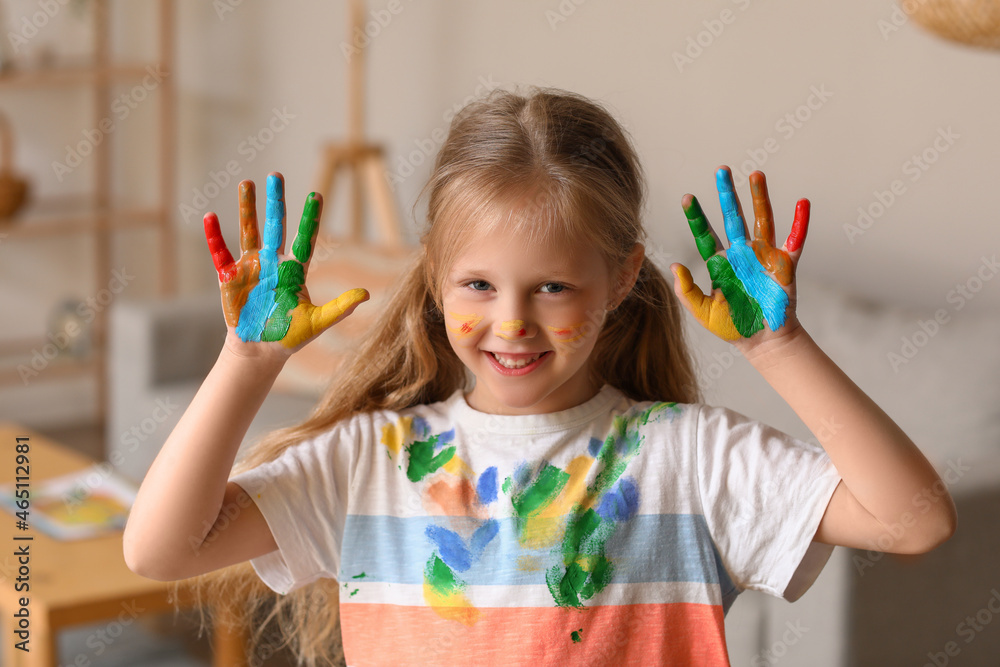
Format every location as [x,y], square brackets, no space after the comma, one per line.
[524,319]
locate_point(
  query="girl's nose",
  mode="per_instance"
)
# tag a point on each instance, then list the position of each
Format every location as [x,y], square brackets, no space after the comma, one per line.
[514,330]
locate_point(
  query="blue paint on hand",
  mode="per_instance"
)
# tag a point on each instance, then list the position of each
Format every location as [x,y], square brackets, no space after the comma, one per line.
[261,300]
[769,294]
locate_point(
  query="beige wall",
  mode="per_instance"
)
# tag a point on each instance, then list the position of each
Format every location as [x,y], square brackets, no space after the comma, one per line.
[887,94]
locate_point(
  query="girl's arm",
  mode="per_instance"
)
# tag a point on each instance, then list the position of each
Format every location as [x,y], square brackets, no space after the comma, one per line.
[181,496]
[890,497]
[187,518]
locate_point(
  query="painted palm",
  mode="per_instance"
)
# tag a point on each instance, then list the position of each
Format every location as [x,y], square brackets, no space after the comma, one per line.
[263,292]
[750,279]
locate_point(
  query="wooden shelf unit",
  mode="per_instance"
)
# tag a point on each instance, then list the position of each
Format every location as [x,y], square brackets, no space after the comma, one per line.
[97,214]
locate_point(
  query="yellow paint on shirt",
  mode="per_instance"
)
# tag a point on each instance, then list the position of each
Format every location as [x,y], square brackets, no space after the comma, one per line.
[456,466]
[451,606]
[546,528]
[394,435]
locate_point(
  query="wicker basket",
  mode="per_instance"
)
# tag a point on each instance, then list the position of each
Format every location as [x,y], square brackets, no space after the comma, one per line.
[972,22]
[13,190]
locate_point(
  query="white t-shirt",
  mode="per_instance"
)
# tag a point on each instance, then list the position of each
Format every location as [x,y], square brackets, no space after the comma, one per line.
[614,532]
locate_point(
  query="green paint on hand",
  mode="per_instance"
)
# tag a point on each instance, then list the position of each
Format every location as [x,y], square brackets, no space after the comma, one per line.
[302,246]
[291,278]
[747,316]
[422,460]
[577,635]
[537,496]
[699,227]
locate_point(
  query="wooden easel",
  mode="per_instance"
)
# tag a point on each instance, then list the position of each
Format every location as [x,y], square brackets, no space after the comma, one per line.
[365,161]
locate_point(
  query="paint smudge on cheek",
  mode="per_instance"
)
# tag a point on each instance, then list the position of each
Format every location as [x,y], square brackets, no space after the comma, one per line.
[571,333]
[465,324]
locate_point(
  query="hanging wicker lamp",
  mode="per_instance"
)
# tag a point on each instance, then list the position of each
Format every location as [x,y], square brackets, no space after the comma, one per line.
[972,22]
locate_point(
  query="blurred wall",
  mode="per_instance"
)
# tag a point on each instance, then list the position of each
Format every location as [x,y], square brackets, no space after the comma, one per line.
[889,131]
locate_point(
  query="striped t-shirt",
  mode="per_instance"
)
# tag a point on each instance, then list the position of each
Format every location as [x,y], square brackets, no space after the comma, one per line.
[615,532]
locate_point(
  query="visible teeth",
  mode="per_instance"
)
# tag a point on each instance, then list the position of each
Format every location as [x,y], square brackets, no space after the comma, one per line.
[511,363]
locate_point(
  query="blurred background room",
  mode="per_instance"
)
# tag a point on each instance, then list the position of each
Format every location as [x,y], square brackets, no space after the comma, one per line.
[123,123]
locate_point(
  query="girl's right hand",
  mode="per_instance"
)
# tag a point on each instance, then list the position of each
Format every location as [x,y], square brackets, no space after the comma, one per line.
[267,307]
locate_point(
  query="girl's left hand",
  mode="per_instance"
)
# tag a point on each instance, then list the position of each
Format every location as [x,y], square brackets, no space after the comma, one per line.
[753,295]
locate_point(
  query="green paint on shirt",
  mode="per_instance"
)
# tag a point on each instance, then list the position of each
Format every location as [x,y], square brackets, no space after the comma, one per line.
[422,460]
[537,496]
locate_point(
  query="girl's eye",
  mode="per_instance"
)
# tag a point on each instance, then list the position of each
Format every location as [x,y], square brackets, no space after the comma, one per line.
[479,285]
[556,288]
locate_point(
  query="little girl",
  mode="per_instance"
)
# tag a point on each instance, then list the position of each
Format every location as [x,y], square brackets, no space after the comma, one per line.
[516,469]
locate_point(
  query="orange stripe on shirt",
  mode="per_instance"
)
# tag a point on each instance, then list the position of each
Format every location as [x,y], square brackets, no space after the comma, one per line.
[643,634]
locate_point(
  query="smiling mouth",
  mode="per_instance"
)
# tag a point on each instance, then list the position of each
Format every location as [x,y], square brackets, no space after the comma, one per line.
[515,361]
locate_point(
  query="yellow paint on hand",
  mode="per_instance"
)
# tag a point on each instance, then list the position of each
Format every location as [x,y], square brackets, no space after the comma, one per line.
[309,320]
[712,312]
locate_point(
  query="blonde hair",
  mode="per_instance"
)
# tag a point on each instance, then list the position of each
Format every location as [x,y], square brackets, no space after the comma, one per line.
[547,162]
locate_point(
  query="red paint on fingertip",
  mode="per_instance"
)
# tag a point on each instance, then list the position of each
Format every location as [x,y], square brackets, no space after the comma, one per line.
[800,225]
[221,257]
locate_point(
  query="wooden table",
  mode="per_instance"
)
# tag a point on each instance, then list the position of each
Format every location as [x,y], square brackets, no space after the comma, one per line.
[71,583]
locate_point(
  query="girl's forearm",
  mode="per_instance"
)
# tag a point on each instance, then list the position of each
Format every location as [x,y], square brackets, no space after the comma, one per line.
[180,497]
[879,463]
